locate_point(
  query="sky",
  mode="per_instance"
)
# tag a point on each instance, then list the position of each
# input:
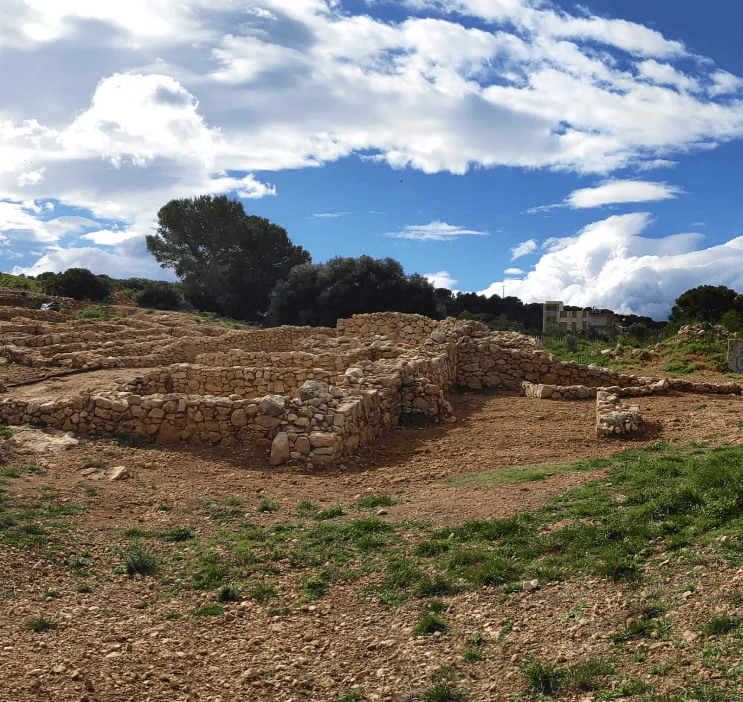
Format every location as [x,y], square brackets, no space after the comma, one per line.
[588,153]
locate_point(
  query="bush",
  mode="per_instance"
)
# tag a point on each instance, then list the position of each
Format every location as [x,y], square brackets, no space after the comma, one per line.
[160,296]
[78,283]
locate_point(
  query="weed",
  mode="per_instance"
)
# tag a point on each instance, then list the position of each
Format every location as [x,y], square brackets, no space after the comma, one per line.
[40,623]
[543,678]
[375,501]
[267,505]
[139,559]
[52,594]
[209,610]
[722,624]
[586,676]
[211,574]
[6,432]
[228,594]
[437,606]
[439,585]
[235,501]
[305,508]
[315,586]
[431,549]
[263,591]
[84,588]
[330,513]
[178,534]
[428,624]
[442,691]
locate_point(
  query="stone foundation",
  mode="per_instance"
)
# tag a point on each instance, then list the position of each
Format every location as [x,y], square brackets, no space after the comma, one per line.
[308,394]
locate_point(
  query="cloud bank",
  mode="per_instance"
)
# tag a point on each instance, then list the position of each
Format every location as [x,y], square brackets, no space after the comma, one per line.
[610,264]
[152,101]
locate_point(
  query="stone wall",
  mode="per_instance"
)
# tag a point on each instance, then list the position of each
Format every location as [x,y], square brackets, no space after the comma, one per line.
[310,395]
[613,417]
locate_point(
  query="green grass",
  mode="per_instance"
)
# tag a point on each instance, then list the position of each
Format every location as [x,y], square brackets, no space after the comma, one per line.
[40,624]
[140,559]
[209,610]
[375,501]
[428,624]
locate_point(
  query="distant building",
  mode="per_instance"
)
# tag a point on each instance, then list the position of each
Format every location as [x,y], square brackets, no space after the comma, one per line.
[554,315]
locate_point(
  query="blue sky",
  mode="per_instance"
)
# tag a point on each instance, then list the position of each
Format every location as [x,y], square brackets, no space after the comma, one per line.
[585,152]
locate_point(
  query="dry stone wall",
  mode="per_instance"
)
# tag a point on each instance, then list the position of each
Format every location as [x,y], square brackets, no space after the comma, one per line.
[304,394]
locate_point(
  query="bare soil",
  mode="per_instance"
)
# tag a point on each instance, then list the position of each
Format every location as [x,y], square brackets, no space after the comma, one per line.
[117,637]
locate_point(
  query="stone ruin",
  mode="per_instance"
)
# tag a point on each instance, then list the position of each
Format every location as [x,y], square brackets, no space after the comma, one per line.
[304,394]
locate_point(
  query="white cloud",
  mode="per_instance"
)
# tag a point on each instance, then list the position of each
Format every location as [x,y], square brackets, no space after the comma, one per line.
[665,74]
[724,83]
[329,215]
[513,271]
[31,177]
[435,231]
[122,263]
[524,249]
[621,191]
[156,100]
[442,279]
[609,264]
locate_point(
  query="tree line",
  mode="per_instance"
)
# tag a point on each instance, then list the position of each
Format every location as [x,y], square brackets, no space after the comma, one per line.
[244,267]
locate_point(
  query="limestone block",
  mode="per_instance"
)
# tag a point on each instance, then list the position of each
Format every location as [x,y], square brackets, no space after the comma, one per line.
[272,405]
[320,439]
[280,449]
[239,418]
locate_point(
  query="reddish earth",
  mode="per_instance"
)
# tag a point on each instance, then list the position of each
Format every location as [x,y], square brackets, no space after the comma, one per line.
[135,638]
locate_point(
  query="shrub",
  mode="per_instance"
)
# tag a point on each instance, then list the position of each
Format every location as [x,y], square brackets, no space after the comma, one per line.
[139,559]
[160,296]
[78,283]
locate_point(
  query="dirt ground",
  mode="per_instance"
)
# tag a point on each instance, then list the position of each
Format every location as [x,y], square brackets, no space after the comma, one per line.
[133,638]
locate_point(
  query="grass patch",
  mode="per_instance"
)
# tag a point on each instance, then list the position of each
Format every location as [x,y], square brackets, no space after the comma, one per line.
[209,610]
[375,501]
[428,624]
[140,559]
[330,513]
[40,624]
[267,505]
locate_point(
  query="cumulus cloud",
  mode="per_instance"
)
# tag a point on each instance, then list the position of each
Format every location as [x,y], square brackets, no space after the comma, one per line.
[435,231]
[160,100]
[610,264]
[524,249]
[442,279]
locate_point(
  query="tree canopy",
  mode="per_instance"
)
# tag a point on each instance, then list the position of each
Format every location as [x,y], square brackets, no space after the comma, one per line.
[319,295]
[228,261]
[78,283]
[705,303]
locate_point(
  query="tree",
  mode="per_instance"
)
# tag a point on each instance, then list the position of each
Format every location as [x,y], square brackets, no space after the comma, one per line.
[227,260]
[732,321]
[319,295]
[78,283]
[160,296]
[706,303]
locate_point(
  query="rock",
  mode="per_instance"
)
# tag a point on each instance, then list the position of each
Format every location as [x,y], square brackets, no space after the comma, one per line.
[530,585]
[438,337]
[280,449]
[119,473]
[321,439]
[272,405]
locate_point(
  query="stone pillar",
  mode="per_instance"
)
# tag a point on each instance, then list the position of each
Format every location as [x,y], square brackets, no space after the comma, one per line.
[735,355]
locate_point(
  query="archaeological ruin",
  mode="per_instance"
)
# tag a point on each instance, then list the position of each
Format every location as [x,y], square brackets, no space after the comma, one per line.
[304,394]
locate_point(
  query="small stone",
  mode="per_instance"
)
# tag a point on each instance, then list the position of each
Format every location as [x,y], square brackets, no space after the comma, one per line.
[119,473]
[530,585]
